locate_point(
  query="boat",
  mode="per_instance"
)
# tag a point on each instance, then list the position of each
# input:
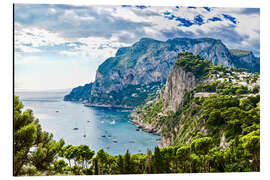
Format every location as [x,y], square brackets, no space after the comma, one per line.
[76,125]
[84,133]
[112,122]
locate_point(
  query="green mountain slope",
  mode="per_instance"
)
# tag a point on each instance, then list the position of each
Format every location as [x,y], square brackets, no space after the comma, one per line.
[222,103]
[149,62]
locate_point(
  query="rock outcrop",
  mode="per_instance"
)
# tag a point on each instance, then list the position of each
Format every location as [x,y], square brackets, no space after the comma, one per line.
[149,62]
[80,93]
[178,83]
[177,112]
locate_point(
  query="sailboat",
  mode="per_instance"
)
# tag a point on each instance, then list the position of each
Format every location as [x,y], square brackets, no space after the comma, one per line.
[75,128]
[84,135]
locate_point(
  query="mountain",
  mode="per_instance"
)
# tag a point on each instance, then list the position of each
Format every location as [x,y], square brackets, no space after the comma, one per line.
[245,59]
[80,93]
[201,99]
[136,73]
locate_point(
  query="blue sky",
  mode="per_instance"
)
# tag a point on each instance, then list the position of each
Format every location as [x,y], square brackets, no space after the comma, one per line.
[61,46]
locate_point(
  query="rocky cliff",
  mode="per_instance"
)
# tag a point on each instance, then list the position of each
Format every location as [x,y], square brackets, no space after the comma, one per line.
[245,59]
[178,83]
[124,80]
[181,111]
[80,93]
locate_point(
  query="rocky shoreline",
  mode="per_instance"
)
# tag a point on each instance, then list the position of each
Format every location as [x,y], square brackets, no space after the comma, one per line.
[108,106]
[136,119]
[143,126]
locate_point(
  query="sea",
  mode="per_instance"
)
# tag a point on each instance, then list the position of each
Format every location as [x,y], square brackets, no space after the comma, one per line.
[109,129]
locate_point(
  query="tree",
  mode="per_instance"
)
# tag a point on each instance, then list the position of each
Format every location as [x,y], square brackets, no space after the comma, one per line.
[251,145]
[25,135]
[84,155]
[102,158]
[70,153]
[96,171]
[157,161]
[167,154]
[120,165]
[59,166]
[127,164]
[202,146]
[46,153]
[183,155]
[32,146]
[148,163]
[217,160]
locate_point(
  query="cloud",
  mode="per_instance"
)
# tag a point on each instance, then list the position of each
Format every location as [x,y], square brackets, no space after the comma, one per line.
[27,39]
[97,26]
[52,39]
[26,49]
[249,11]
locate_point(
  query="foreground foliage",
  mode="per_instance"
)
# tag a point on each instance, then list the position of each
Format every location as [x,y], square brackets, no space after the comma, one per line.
[36,153]
[34,149]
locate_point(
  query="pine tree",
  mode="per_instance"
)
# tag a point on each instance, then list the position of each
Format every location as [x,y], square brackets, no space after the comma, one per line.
[148,162]
[127,163]
[157,161]
[121,165]
[96,166]
[25,135]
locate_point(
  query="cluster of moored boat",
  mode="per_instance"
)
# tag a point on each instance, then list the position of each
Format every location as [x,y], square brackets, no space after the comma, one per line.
[139,127]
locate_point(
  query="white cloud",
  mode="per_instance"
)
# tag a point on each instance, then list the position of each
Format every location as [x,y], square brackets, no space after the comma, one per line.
[90,35]
[26,49]
[36,37]
[70,53]
[127,14]
[72,45]
[97,47]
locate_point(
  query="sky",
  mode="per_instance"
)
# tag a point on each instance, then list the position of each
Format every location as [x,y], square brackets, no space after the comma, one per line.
[61,46]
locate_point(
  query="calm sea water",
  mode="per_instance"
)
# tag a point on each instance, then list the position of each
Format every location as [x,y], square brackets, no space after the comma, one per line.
[106,128]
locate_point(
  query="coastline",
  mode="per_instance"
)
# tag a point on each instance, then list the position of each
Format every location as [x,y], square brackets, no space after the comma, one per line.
[136,119]
[129,108]
[109,106]
[143,126]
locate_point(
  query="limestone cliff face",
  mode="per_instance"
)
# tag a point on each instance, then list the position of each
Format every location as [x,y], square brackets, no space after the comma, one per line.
[177,84]
[245,59]
[164,115]
[150,61]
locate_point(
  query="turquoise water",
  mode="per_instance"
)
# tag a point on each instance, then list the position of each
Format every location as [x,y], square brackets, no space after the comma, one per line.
[106,128]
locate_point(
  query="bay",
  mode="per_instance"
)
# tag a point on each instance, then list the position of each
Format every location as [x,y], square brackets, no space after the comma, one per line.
[99,128]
